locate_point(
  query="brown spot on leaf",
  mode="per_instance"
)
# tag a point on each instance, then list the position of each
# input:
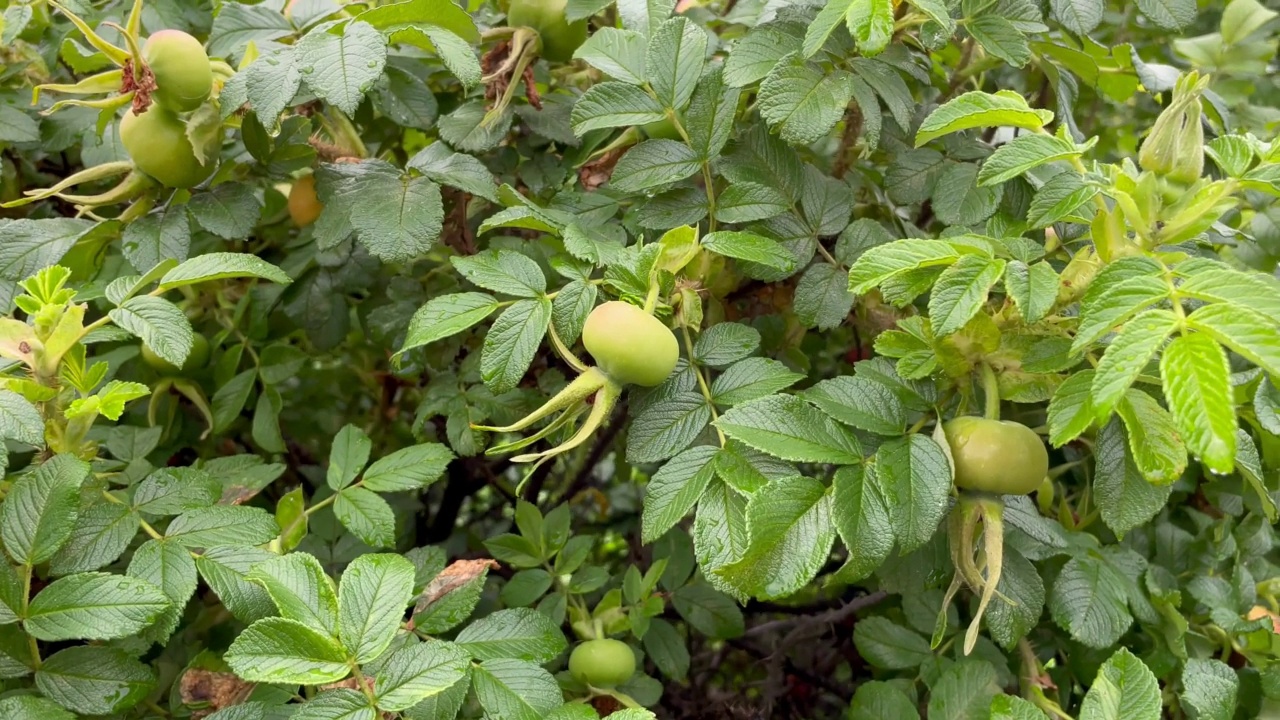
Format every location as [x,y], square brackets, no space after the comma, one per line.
[211,691]
[451,578]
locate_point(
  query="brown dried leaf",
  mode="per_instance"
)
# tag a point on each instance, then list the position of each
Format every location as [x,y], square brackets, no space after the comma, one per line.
[459,573]
[212,691]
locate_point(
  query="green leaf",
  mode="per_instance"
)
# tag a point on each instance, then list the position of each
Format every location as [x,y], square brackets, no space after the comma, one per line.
[725,343]
[667,649]
[822,298]
[889,646]
[675,489]
[93,606]
[1127,356]
[1000,37]
[224,569]
[884,700]
[885,262]
[751,379]
[458,170]
[786,427]
[1024,153]
[1071,409]
[161,325]
[1088,600]
[94,680]
[712,111]
[512,342]
[861,403]
[1169,14]
[520,633]
[870,24]
[617,53]
[709,611]
[614,104]
[102,533]
[372,596]
[340,60]
[30,707]
[862,520]
[964,691]
[1124,688]
[801,101]
[340,704]
[300,590]
[40,509]
[348,456]
[367,516]
[169,491]
[221,266]
[745,202]
[1020,603]
[755,55]
[1197,385]
[1153,439]
[394,17]
[979,109]
[667,426]
[960,292]
[1243,330]
[418,672]
[750,247]
[654,163]
[1127,500]
[1034,288]
[169,567]
[1058,199]
[515,689]
[1210,687]
[155,237]
[959,200]
[1242,18]
[412,468]
[1078,16]
[1121,290]
[791,533]
[447,315]
[279,650]
[915,475]
[223,525]
[19,420]
[673,62]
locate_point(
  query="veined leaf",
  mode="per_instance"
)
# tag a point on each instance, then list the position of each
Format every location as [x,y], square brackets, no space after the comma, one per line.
[1245,331]
[787,427]
[960,292]
[1128,354]
[1024,153]
[883,262]
[791,535]
[1197,384]
[980,109]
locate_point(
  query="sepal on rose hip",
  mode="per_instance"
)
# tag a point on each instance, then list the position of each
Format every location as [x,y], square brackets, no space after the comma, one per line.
[1175,146]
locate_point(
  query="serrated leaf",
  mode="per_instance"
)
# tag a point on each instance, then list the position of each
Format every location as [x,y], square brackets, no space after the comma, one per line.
[93,606]
[19,420]
[871,24]
[221,266]
[1243,330]
[1124,688]
[1058,199]
[521,633]
[961,291]
[416,673]
[1078,16]
[674,490]
[1121,290]
[512,342]
[372,597]
[1128,354]
[751,379]
[503,271]
[300,590]
[279,650]
[515,689]
[884,262]
[161,325]
[887,645]
[667,426]
[615,52]
[94,680]
[750,247]
[1024,153]
[1153,439]
[341,60]
[979,109]
[447,315]
[1034,288]
[347,457]
[101,535]
[411,468]
[915,475]
[673,62]
[614,104]
[791,534]
[1088,601]
[459,170]
[862,521]
[222,525]
[787,427]
[1197,385]
[653,163]
[1210,687]
[861,403]
[1125,498]
[802,102]
[367,516]
[40,509]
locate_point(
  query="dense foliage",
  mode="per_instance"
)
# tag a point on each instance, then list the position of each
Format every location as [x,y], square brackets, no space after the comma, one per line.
[617,358]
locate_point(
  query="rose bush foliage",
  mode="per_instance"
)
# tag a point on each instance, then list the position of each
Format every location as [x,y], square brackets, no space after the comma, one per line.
[305,417]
